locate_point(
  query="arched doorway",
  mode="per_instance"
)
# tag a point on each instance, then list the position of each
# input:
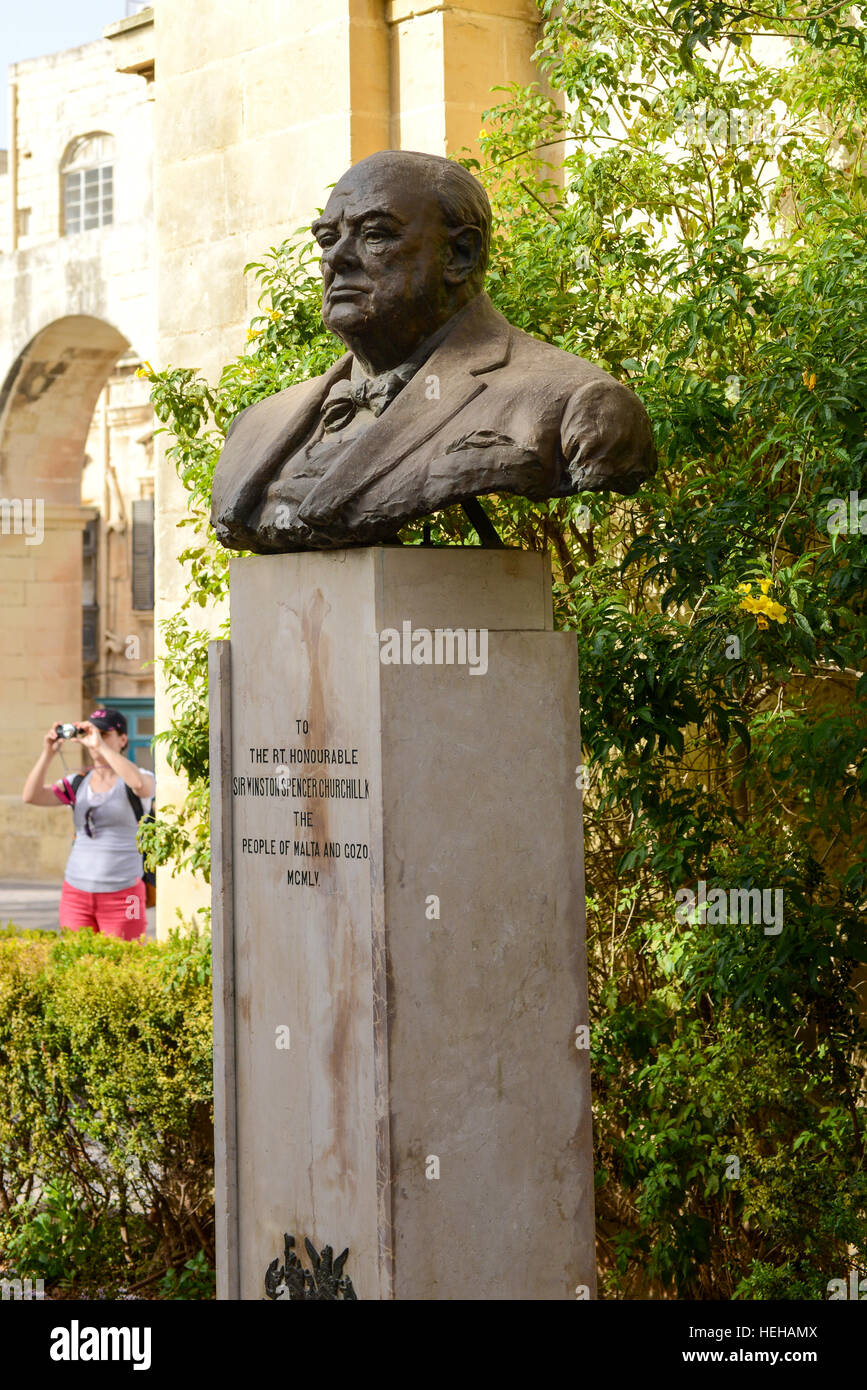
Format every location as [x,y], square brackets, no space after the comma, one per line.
[47,407]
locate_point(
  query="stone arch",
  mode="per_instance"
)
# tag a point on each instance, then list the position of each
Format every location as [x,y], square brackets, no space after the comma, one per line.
[78,143]
[47,402]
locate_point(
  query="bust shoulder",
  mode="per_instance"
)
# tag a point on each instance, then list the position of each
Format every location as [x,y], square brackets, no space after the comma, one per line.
[534,356]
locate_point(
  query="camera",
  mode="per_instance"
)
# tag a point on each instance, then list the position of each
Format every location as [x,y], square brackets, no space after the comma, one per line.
[67,730]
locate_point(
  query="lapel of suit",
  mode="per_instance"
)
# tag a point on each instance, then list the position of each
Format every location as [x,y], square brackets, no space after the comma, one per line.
[264,437]
[440,388]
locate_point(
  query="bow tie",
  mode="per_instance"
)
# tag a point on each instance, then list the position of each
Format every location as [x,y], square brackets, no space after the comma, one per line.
[374,393]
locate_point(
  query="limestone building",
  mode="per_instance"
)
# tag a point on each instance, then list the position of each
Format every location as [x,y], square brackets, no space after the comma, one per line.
[77,307]
[223,123]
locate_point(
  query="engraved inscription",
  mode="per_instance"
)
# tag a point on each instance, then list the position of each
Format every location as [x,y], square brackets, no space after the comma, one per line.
[275,774]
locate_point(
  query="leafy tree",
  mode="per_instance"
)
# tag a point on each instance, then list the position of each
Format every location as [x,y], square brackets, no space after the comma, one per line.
[686,207]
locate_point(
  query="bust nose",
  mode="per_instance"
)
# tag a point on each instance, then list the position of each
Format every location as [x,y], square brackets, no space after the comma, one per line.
[341,254]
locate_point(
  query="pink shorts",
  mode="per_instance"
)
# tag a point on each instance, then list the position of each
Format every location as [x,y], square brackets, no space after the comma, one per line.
[120,914]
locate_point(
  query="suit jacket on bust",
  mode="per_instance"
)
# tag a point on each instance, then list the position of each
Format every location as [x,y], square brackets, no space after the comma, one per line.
[492,410]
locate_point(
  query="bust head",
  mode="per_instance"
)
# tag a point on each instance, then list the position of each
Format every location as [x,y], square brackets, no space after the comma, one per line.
[404,240]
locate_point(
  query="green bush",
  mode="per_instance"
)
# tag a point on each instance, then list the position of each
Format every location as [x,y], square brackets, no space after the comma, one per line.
[106,1126]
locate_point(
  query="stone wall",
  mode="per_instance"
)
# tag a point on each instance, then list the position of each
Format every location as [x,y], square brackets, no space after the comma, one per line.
[64,96]
[69,307]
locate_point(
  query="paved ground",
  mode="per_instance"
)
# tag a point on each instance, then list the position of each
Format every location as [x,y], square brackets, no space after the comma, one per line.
[34,906]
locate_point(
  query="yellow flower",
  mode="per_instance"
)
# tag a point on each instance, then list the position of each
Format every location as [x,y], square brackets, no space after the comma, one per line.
[761,605]
[145,370]
[274,315]
[253,333]
[809,380]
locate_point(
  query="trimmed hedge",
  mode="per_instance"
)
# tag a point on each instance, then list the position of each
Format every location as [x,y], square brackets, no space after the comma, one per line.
[106,1120]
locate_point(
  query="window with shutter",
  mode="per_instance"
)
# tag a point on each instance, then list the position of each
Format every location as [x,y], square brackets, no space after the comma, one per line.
[89,555]
[89,605]
[143,555]
[89,633]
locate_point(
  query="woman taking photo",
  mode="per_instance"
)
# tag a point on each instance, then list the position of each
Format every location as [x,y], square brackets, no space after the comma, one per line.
[102,885]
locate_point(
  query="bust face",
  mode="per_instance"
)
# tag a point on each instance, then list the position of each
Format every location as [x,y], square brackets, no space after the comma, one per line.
[383,245]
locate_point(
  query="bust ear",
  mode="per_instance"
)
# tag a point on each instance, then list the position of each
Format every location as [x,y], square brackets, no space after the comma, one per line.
[463,252]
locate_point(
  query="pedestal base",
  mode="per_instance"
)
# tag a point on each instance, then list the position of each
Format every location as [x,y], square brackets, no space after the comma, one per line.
[398,926]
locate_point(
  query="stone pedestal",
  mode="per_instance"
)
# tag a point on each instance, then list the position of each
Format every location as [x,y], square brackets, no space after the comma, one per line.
[400,977]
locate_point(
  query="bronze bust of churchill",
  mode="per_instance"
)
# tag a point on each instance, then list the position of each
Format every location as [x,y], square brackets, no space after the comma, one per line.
[438,399]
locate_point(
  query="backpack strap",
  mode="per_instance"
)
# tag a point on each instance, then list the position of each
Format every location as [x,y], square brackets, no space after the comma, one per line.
[135,802]
[71,786]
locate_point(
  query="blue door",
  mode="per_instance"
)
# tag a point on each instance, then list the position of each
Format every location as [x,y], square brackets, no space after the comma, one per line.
[140,726]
